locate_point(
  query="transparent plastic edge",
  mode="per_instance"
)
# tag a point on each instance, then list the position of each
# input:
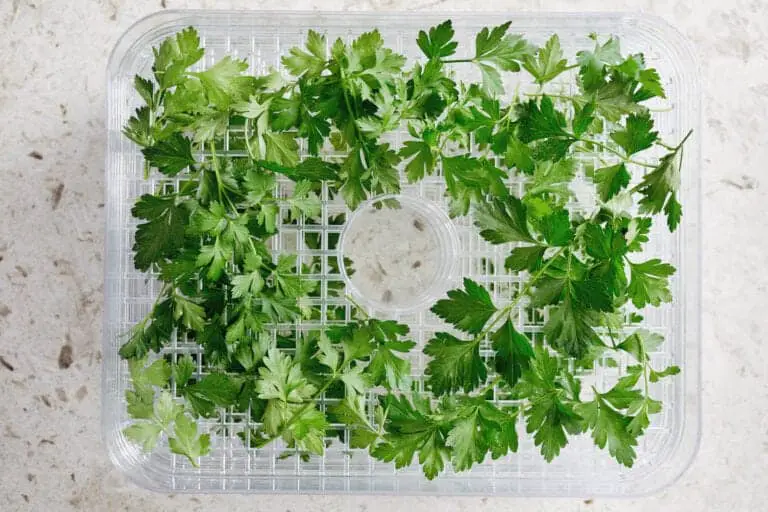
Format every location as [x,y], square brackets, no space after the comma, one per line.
[135,468]
[685,447]
[141,471]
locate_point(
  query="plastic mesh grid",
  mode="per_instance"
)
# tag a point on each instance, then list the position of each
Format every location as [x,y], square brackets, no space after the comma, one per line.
[232,466]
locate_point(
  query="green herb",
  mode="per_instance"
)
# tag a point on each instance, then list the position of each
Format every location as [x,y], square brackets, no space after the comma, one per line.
[229,150]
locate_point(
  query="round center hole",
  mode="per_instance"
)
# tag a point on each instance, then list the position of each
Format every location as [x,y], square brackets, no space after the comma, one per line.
[398,253]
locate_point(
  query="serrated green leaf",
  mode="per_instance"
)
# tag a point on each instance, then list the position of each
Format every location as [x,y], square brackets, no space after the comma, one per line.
[637,135]
[541,121]
[610,180]
[503,220]
[439,41]
[311,62]
[548,62]
[611,428]
[170,156]
[593,63]
[513,352]
[455,364]
[144,433]
[422,162]
[174,55]
[505,51]
[525,258]
[649,283]
[281,148]
[186,440]
[556,228]
[468,310]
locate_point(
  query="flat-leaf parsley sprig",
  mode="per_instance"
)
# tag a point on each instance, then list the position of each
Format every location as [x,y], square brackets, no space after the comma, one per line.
[236,156]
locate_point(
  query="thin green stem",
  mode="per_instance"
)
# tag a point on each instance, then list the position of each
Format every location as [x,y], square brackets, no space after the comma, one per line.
[645,376]
[357,306]
[219,181]
[558,96]
[685,139]
[246,129]
[626,159]
[488,387]
[296,415]
[574,98]
[504,312]
[456,61]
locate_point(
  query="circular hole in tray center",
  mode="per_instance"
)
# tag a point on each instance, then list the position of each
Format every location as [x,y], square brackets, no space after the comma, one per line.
[398,253]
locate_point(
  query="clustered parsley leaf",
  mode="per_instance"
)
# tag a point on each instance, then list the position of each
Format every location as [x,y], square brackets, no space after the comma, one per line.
[240,157]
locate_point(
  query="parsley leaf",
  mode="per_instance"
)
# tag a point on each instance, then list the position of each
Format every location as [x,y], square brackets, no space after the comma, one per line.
[352,412]
[540,121]
[163,235]
[609,427]
[548,62]
[387,368]
[471,179]
[410,431]
[659,187]
[468,310]
[550,415]
[186,440]
[505,51]
[610,180]
[439,42]
[423,161]
[542,124]
[304,201]
[648,282]
[638,134]
[571,328]
[170,156]
[313,61]
[525,258]
[513,352]
[152,333]
[455,364]
[145,434]
[503,220]
[224,83]
[593,63]
[175,55]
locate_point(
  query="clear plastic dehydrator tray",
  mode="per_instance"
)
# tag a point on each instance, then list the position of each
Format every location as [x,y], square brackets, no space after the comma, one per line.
[581,469]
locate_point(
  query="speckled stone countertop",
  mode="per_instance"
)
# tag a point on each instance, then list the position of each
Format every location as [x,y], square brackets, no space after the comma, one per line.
[53,56]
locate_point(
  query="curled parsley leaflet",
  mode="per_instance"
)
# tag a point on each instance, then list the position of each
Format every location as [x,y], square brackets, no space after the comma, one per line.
[225,146]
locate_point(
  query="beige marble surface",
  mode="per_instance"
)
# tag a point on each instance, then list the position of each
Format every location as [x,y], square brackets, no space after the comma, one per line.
[52,60]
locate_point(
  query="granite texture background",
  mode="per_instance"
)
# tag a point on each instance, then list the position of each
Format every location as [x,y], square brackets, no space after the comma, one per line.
[52,60]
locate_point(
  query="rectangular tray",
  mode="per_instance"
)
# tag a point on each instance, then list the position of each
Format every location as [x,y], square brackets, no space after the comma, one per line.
[582,470]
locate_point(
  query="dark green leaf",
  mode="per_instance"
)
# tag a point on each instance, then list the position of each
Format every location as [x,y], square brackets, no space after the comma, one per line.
[468,309]
[163,235]
[649,283]
[540,121]
[556,228]
[503,220]
[525,258]
[638,134]
[439,42]
[513,352]
[611,428]
[455,364]
[170,156]
[610,180]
